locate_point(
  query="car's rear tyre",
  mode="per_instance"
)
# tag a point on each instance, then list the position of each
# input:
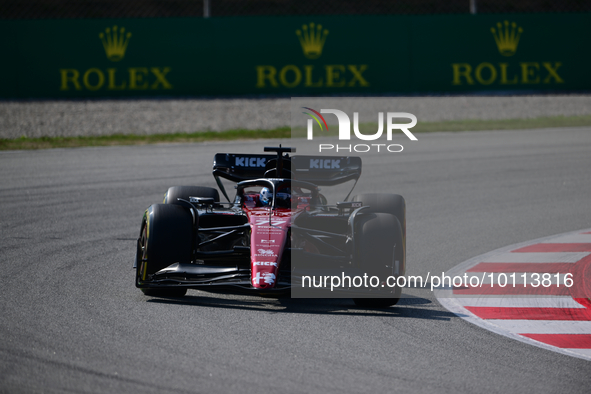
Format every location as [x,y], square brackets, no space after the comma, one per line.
[385,203]
[379,250]
[165,239]
[184,192]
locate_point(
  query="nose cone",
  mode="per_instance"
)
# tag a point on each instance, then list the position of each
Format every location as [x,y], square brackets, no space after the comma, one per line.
[267,242]
[264,279]
[266,247]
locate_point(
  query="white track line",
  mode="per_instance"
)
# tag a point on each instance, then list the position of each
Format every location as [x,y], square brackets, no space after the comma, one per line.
[543,326]
[586,352]
[552,257]
[571,238]
[521,302]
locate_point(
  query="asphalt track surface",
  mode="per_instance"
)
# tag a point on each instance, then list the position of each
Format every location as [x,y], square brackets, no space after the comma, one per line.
[72,320]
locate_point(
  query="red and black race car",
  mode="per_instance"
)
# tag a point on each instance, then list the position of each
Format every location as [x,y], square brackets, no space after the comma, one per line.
[276,231]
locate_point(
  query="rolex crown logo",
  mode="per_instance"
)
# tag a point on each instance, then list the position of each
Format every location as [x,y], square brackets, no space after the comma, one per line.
[312,40]
[115,42]
[507,37]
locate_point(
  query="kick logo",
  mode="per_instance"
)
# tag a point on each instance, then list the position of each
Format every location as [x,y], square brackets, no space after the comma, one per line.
[250,161]
[345,130]
[267,263]
[326,163]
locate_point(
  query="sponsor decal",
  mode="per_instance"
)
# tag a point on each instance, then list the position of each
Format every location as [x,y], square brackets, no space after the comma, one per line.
[312,38]
[269,263]
[265,252]
[250,161]
[267,241]
[507,36]
[115,41]
[326,163]
[268,230]
[507,39]
[267,278]
[274,222]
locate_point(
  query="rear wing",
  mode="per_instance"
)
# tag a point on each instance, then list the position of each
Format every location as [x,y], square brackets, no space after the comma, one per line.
[319,170]
[238,167]
[326,170]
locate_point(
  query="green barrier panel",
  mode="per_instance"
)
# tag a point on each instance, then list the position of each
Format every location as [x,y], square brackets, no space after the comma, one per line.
[501,53]
[294,55]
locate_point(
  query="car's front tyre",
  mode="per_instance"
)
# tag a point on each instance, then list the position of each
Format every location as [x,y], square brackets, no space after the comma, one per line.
[165,238]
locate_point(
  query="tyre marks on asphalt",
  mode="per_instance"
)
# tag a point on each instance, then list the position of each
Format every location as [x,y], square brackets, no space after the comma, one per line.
[552,315]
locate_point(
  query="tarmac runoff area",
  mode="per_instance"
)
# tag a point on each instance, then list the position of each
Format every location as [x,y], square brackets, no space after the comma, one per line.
[556,317]
[526,294]
[73,320]
[164,116]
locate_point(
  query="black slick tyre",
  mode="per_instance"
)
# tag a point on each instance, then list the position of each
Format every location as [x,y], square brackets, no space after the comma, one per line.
[379,251]
[385,203]
[393,204]
[165,239]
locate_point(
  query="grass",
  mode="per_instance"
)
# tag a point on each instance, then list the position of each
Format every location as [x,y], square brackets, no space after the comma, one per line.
[283,132]
[504,124]
[130,139]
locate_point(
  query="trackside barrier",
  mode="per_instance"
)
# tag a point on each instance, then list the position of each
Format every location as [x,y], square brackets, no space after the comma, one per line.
[308,55]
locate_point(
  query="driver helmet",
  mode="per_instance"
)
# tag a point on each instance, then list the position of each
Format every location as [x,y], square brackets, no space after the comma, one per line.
[266,196]
[283,197]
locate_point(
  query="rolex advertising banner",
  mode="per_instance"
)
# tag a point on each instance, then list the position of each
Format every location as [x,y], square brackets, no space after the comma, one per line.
[295,55]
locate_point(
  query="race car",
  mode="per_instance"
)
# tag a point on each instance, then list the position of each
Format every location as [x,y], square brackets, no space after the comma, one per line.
[277,230]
